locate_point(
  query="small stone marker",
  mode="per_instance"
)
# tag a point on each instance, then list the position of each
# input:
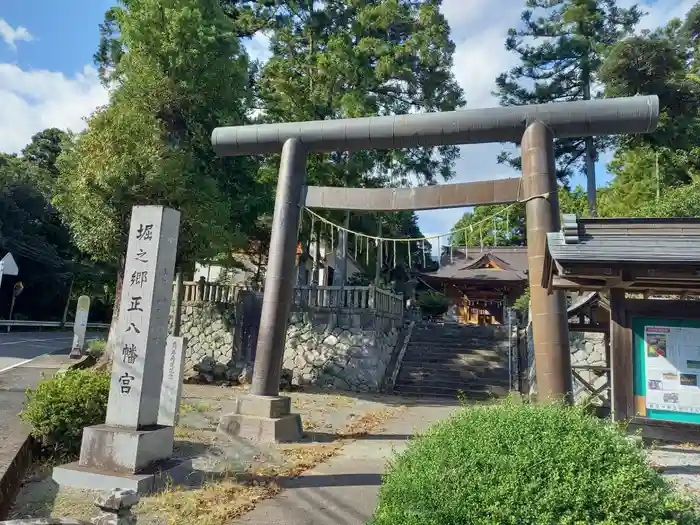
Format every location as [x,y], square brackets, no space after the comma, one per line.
[80,326]
[171,389]
[137,370]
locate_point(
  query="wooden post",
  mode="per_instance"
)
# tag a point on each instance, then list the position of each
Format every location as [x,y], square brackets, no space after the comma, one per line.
[621,358]
[200,288]
[177,314]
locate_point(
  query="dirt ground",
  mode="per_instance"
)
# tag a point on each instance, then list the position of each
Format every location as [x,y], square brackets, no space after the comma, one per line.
[229,476]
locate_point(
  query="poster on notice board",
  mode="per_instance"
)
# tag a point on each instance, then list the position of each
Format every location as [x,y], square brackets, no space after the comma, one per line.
[672,362]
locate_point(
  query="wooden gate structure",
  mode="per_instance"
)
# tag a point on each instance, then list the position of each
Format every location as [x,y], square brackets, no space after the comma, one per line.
[534,127]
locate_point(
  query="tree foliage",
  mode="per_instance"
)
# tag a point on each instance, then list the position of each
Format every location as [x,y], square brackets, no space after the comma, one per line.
[660,62]
[357,59]
[180,73]
[491,226]
[570,38]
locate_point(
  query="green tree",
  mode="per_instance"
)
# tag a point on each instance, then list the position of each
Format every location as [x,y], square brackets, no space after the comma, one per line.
[570,37]
[181,73]
[343,59]
[683,201]
[355,59]
[491,226]
[40,157]
[658,62]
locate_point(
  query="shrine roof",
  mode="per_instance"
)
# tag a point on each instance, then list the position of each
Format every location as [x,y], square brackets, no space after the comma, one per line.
[474,264]
[620,241]
[649,255]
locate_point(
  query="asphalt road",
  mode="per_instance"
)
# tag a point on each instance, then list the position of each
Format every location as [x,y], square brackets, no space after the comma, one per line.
[25,359]
[17,348]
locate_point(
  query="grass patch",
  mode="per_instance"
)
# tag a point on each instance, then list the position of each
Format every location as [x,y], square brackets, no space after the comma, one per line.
[186,408]
[96,347]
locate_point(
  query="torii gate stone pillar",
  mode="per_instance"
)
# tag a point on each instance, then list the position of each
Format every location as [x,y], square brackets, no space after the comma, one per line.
[264,415]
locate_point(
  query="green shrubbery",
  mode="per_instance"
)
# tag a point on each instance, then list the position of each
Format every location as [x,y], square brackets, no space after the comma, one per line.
[62,406]
[433,304]
[96,347]
[526,464]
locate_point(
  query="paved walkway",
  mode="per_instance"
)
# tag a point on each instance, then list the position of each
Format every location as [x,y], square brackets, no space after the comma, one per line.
[13,385]
[343,491]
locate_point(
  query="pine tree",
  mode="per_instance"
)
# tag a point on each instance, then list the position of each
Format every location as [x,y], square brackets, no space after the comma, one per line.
[570,37]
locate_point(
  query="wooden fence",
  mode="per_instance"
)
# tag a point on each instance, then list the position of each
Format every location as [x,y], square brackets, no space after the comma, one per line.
[202,291]
[346,297]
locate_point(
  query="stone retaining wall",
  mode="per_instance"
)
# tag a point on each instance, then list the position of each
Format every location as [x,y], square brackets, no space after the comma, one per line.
[220,336]
[209,330]
[587,348]
[348,351]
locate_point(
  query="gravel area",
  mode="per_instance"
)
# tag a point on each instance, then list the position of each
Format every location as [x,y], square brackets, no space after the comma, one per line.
[680,464]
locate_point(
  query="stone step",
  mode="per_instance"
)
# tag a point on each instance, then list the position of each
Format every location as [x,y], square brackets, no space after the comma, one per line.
[423,348]
[462,331]
[459,343]
[454,379]
[447,390]
[455,370]
[461,359]
[456,385]
[477,338]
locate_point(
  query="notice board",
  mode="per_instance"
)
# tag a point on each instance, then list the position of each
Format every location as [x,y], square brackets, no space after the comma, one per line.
[667,368]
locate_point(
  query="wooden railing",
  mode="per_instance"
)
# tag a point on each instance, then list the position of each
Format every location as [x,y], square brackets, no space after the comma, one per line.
[388,302]
[201,291]
[352,297]
[332,296]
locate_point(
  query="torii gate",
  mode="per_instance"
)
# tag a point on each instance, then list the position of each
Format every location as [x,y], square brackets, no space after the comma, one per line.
[534,127]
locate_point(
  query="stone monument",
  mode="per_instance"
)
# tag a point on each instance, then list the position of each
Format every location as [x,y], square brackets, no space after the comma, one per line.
[171,389]
[80,327]
[131,450]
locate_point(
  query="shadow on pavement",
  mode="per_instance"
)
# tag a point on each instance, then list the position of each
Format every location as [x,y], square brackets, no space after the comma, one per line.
[326,437]
[331,480]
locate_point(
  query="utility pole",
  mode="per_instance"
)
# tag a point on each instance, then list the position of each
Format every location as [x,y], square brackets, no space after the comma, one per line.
[658,179]
[589,151]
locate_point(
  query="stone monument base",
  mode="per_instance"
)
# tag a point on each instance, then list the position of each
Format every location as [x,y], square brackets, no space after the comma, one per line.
[149,480]
[117,457]
[262,419]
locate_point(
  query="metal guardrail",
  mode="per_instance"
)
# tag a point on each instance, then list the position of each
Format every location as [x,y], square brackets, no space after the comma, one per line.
[47,324]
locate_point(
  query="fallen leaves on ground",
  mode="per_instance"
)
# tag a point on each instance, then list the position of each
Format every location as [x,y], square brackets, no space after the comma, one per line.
[227,497]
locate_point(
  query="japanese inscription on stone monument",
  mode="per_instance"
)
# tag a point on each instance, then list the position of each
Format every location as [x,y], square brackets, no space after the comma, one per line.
[137,370]
[171,390]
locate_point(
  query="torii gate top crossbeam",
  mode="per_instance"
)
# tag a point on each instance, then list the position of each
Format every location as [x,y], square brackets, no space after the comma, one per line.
[600,117]
[460,195]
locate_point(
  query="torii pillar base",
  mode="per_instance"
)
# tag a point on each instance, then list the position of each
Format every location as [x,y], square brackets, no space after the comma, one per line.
[262,419]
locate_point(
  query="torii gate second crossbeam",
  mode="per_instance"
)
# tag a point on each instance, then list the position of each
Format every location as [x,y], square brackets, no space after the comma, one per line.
[534,127]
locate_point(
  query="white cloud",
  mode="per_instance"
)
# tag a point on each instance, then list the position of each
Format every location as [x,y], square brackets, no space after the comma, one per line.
[31,101]
[11,35]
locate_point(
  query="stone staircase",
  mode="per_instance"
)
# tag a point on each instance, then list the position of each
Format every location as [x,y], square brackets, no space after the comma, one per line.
[443,359]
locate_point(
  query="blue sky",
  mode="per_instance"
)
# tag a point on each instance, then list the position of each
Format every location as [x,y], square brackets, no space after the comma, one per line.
[47,77]
[65,33]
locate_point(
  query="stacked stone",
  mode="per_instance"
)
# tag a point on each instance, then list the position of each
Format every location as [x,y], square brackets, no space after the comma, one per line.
[587,349]
[349,359]
[209,339]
